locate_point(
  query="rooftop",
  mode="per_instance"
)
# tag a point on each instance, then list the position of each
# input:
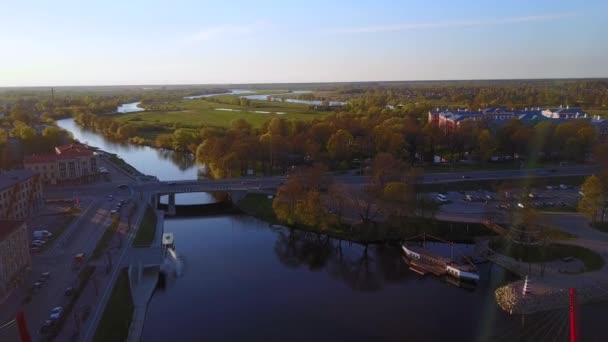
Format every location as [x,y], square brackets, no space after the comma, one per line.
[61,152]
[74,150]
[11,177]
[7,227]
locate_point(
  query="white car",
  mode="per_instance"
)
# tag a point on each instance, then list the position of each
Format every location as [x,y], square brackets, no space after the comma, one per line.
[56,313]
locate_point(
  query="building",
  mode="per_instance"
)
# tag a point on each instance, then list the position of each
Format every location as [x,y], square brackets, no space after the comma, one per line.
[20,194]
[564,113]
[15,257]
[449,119]
[74,163]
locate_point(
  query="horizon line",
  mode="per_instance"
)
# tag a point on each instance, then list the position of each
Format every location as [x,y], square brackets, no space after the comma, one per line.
[317,82]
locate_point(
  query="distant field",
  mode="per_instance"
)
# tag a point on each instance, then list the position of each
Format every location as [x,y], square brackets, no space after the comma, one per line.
[194,113]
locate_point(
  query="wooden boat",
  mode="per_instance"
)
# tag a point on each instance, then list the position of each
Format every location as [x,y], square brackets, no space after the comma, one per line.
[423,259]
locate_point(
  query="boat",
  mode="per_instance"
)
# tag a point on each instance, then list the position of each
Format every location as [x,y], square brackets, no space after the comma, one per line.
[168,240]
[422,260]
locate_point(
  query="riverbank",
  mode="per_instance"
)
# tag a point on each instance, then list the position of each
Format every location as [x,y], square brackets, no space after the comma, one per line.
[260,206]
[549,282]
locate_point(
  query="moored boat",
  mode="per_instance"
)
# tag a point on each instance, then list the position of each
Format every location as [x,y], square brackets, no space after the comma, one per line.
[168,240]
[423,259]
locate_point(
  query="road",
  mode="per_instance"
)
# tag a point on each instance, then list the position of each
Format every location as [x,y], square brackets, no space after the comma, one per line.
[251,183]
[80,236]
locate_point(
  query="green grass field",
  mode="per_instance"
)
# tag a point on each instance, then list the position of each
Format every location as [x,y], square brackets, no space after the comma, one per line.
[198,112]
[116,319]
[147,229]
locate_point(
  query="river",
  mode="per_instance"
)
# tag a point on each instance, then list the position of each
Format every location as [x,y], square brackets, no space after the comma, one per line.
[132,107]
[244,280]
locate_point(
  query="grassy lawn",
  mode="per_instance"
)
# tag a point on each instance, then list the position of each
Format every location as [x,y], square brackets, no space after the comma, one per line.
[194,113]
[551,252]
[116,319]
[103,243]
[122,164]
[554,233]
[147,229]
[258,205]
[602,226]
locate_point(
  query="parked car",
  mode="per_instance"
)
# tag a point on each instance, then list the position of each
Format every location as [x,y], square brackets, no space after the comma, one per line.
[521,205]
[123,186]
[110,197]
[112,212]
[56,313]
[69,291]
[46,326]
[41,234]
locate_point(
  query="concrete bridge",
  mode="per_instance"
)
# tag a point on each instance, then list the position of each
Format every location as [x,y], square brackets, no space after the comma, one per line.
[236,188]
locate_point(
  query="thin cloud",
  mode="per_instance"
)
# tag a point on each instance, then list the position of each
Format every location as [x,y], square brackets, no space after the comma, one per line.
[222,31]
[226,31]
[451,24]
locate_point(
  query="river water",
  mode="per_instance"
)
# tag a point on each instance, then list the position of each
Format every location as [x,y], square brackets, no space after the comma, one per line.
[129,108]
[244,280]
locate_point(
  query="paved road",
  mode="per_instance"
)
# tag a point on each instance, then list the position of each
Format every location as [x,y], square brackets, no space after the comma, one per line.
[80,236]
[247,183]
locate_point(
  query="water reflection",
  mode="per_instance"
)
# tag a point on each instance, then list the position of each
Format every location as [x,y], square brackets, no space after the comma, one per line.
[363,268]
[183,161]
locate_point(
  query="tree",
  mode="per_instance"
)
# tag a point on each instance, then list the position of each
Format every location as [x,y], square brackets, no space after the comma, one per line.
[338,200]
[593,198]
[385,167]
[164,141]
[339,145]
[484,142]
[54,136]
[183,139]
[19,113]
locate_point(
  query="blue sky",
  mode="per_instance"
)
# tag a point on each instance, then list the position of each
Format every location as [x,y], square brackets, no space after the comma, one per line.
[171,42]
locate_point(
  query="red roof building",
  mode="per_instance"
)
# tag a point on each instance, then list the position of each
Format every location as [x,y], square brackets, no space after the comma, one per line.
[73,162]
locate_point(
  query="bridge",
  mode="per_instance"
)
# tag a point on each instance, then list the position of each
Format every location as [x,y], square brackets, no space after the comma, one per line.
[236,188]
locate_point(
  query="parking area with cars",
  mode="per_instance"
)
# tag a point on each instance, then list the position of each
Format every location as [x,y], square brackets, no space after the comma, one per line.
[552,197]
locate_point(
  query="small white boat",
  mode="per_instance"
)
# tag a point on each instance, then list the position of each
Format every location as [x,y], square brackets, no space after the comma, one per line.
[168,240]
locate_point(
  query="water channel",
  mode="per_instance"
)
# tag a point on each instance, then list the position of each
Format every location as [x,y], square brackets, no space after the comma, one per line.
[245,280]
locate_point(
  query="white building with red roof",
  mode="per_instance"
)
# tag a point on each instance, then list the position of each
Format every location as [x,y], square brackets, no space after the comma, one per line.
[70,163]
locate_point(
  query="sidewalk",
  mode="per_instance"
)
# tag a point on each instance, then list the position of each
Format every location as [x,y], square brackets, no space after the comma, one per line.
[99,288]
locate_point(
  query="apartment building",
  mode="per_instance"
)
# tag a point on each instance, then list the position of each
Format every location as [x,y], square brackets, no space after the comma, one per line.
[15,257]
[74,163]
[20,194]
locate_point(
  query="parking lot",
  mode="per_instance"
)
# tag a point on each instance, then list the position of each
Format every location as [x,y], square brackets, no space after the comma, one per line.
[550,198]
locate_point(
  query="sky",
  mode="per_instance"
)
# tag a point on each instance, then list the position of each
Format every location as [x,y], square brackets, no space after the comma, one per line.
[45,43]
